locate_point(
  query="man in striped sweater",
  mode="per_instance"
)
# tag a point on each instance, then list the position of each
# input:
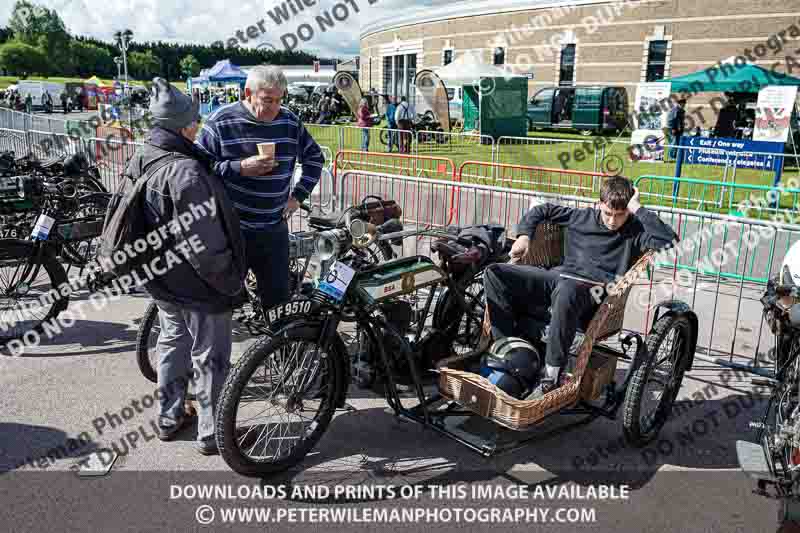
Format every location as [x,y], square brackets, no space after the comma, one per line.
[258,186]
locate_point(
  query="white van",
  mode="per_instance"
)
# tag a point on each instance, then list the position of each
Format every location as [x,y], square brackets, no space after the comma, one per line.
[36,89]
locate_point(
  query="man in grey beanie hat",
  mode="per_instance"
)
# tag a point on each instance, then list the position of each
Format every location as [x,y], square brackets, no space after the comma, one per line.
[170,108]
[196,296]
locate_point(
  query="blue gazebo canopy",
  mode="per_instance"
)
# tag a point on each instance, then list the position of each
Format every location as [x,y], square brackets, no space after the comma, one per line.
[224,71]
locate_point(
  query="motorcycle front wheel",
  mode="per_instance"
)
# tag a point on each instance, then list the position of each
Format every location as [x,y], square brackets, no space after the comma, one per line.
[278,400]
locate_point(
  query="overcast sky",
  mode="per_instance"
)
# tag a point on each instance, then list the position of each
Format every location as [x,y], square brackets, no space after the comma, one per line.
[204,21]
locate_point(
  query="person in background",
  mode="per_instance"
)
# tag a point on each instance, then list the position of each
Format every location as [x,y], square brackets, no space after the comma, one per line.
[677,115]
[364,121]
[64,102]
[324,110]
[403,117]
[259,186]
[195,297]
[47,102]
[725,126]
[391,124]
[28,103]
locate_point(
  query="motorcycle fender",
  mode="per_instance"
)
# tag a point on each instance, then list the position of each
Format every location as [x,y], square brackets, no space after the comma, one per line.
[679,308]
[335,348]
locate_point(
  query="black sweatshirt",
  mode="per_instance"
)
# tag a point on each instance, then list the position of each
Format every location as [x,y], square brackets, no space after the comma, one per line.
[592,250]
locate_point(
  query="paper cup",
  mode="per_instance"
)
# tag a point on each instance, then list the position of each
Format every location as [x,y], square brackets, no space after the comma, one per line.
[266,149]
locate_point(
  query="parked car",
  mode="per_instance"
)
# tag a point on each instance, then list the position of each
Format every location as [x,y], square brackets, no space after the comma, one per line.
[587,109]
[300,92]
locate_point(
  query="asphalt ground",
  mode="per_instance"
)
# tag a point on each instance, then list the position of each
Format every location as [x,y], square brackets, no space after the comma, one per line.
[78,383]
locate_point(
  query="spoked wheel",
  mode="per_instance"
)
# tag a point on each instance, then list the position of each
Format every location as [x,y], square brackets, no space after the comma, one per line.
[146,339]
[25,279]
[278,400]
[656,382]
[470,323]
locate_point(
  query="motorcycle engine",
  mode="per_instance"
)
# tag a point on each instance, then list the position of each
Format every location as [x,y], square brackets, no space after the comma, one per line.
[368,368]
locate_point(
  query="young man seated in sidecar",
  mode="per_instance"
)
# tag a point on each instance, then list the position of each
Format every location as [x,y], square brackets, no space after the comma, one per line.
[602,243]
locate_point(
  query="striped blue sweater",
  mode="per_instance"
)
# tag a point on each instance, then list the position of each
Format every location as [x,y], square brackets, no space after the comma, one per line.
[232,133]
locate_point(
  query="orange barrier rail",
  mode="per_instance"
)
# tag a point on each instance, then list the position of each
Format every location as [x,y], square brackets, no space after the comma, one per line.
[395,163]
[113,147]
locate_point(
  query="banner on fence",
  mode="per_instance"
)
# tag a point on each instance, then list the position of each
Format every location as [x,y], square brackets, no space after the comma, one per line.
[773,112]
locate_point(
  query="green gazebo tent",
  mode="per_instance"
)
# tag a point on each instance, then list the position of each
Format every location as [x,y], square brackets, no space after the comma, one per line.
[494,100]
[727,76]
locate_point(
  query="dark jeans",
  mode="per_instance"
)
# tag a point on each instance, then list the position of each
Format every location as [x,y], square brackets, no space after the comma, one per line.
[516,292]
[405,136]
[268,258]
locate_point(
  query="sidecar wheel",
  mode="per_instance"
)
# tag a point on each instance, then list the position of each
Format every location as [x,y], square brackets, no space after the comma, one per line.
[278,400]
[647,410]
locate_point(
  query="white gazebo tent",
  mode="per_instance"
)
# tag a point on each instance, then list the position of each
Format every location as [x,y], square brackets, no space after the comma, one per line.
[467,71]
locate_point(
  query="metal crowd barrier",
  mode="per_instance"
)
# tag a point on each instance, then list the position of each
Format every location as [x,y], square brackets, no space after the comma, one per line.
[724,197]
[15,141]
[749,250]
[546,152]
[457,146]
[419,166]
[550,180]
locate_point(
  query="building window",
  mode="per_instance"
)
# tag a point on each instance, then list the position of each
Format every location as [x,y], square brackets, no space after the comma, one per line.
[656,60]
[411,73]
[397,87]
[387,75]
[566,74]
[499,56]
[448,57]
[398,74]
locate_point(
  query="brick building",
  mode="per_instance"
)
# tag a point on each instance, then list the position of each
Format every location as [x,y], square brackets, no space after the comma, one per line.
[581,42]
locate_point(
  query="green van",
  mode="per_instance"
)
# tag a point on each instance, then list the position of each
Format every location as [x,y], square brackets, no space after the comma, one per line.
[588,109]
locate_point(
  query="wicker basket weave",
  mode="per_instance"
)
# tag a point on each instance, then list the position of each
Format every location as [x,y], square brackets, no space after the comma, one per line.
[477,394]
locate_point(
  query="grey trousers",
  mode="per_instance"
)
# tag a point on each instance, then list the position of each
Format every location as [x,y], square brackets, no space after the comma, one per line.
[192,346]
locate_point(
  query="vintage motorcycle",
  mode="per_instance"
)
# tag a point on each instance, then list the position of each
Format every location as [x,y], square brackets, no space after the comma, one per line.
[774,461]
[281,396]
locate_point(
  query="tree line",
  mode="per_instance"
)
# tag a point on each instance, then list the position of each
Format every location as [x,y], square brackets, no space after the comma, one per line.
[36,42]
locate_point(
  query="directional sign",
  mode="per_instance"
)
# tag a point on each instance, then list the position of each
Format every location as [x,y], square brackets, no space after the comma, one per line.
[755,155]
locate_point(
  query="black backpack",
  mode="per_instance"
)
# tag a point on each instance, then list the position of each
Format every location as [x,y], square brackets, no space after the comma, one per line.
[125,221]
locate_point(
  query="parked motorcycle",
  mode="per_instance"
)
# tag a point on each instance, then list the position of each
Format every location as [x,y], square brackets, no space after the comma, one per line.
[774,460]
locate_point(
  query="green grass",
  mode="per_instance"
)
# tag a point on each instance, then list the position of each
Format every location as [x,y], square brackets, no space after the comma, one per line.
[5,81]
[551,153]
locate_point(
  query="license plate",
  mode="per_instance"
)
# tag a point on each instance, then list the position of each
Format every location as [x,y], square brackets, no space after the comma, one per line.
[336,281]
[298,307]
[10,232]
